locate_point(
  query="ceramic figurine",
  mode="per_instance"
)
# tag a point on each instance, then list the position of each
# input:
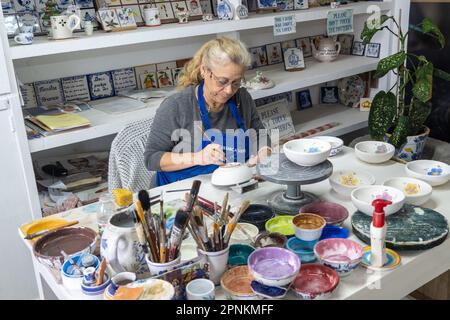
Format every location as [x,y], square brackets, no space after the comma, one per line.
[207,17]
[259,82]
[327,50]
[225,10]
[183,16]
[241,12]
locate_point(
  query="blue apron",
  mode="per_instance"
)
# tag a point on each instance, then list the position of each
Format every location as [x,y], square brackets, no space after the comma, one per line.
[166,177]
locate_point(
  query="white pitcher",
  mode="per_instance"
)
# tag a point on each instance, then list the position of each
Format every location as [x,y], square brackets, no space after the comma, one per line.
[121,248]
[63,26]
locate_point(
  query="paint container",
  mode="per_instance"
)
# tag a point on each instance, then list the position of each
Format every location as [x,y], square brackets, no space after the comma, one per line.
[96,292]
[120,279]
[200,289]
[308,226]
[89,276]
[157,268]
[217,261]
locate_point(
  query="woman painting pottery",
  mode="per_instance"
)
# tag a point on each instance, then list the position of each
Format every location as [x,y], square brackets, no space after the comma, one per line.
[211,121]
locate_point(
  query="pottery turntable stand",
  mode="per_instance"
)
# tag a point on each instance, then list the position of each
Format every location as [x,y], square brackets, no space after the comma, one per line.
[283,171]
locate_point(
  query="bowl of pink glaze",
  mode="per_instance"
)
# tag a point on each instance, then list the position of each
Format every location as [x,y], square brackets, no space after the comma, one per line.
[274,266]
[333,213]
[315,282]
[342,255]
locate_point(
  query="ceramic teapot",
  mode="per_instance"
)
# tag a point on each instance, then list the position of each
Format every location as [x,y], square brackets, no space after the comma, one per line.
[327,49]
[121,248]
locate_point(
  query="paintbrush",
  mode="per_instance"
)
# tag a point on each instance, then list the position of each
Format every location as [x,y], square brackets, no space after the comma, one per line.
[162,242]
[144,198]
[216,237]
[224,210]
[140,231]
[196,237]
[193,195]
[235,219]
[150,235]
[203,133]
[176,235]
[45,231]
[200,227]
[101,272]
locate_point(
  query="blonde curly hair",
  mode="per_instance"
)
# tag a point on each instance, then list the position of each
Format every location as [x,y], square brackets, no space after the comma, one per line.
[215,52]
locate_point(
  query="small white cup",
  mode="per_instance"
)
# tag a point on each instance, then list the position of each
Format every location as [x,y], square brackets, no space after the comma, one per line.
[88,28]
[200,289]
[24,38]
[151,17]
[158,268]
[217,263]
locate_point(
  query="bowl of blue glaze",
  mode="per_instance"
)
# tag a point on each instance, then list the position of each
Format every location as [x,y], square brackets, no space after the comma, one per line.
[334,232]
[303,249]
[239,254]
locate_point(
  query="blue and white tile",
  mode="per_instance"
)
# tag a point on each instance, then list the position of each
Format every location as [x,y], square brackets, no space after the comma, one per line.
[75,88]
[24,5]
[100,85]
[49,92]
[124,80]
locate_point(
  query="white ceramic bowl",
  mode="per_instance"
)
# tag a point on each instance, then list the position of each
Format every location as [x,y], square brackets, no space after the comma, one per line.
[239,237]
[231,174]
[374,151]
[308,226]
[362,198]
[416,191]
[336,144]
[307,152]
[435,173]
[345,181]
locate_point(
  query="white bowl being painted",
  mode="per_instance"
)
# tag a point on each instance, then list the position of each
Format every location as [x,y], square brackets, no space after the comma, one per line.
[435,173]
[231,174]
[345,181]
[374,151]
[362,198]
[416,191]
[307,152]
[336,144]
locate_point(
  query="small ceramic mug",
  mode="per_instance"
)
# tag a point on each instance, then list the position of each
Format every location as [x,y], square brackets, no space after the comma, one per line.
[63,26]
[88,28]
[151,17]
[200,289]
[89,276]
[24,38]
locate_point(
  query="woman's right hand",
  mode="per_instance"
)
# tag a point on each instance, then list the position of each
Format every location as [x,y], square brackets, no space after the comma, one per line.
[211,154]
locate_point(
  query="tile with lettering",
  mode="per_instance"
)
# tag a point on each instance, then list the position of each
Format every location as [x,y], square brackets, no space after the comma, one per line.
[49,92]
[28,95]
[124,80]
[75,88]
[100,85]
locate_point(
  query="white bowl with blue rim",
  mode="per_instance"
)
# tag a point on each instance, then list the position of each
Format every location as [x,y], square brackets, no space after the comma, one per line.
[307,152]
[374,151]
[70,278]
[434,172]
[95,292]
[336,144]
[416,191]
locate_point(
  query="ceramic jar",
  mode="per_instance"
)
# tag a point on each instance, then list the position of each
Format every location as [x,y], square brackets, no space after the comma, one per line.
[151,16]
[121,248]
[327,50]
[63,26]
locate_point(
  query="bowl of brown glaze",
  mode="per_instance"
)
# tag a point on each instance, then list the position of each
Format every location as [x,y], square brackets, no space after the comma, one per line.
[308,226]
[270,239]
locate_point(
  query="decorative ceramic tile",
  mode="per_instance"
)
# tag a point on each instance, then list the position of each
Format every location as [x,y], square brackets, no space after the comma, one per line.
[373,50]
[300,4]
[11,25]
[129,2]
[194,7]
[63,4]
[147,80]
[206,6]
[165,11]
[293,59]
[112,3]
[285,5]
[75,88]
[145,1]
[304,99]
[124,80]
[259,56]
[274,53]
[108,19]
[165,78]
[329,95]
[358,48]
[85,3]
[88,14]
[49,92]
[267,4]
[166,66]
[100,85]
[24,5]
[29,19]
[8,6]
[305,45]
[137,13]
[346,41]
[28,95]
[179,6]
[126,17]
[175,74]
[145,69]
[288,44]
[40,5]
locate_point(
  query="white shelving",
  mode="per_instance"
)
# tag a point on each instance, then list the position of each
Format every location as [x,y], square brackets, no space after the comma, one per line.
[104,124]
[42,46]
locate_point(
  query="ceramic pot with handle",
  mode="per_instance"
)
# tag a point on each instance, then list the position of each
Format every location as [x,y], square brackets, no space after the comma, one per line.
[121,248]
[63,26]
[326,50]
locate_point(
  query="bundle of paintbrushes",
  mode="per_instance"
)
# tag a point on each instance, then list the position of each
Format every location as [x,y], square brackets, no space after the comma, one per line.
[151,228]
[222,227]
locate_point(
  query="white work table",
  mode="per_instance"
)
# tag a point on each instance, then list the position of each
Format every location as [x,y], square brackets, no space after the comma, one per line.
[416,269]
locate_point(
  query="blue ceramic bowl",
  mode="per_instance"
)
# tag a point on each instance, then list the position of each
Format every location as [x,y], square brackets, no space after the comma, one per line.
[96,292]
[239,254]
[303,249]
[334,232]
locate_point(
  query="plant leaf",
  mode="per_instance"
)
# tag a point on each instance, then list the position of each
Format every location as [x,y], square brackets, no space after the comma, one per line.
[423,87]
[390,63]
[382,114]
[418,114]
[370,30]
[400,132]
[441,74]
[429,27]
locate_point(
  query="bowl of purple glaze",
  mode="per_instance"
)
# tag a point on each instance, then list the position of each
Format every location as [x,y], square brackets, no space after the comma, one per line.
[274,266]
[333,213]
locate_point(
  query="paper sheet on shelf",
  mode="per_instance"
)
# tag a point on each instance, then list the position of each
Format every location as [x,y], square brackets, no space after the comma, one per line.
[117,105]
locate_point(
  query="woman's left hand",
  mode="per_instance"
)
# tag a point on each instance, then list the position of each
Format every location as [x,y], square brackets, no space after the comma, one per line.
[264,152]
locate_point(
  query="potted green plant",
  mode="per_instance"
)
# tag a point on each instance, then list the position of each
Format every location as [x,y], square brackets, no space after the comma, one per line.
[391,118]
[51,9]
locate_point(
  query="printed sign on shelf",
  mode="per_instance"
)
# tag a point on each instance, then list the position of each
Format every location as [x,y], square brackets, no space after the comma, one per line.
[76,88]
[100,85]
[276,115]
[49,92]
[340,21]
[124,80]
[284,25]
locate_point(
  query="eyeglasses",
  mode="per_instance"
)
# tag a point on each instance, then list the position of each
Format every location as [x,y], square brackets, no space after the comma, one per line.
[224,82]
